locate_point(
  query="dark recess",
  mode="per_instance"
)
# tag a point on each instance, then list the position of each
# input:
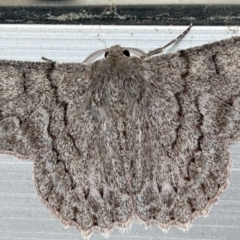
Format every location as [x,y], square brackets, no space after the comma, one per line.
[126,15]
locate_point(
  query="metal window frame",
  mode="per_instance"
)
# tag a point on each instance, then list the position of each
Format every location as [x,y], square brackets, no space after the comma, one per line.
[204,15]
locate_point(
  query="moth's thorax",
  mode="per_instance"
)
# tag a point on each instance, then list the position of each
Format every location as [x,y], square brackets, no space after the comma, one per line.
[118,76]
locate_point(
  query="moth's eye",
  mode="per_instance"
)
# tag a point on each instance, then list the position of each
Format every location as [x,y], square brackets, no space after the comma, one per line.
[126,53]
[106,54]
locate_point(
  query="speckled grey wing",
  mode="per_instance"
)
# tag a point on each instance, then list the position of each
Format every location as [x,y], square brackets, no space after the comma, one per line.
[46,114]
[26,97]
[192,115]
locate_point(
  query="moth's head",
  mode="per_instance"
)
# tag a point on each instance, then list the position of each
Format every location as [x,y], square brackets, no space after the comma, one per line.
[114,51]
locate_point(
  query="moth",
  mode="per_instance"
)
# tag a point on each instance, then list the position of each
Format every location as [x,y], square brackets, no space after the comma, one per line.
[144,136]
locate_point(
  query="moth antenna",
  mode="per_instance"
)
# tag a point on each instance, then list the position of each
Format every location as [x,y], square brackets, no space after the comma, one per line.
[95,55]
[160,50]
[137,52]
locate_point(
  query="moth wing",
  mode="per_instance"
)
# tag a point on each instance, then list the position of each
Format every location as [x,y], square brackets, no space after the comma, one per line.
[193,112]
[25,98]
[214,82]
[76,176]
[204,80]
[45,115]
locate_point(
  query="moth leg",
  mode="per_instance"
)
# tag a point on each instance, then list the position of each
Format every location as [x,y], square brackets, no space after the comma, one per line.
[160,50]
[48,60]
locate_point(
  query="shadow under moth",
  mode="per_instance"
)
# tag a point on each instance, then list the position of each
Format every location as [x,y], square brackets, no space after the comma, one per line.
[122,137]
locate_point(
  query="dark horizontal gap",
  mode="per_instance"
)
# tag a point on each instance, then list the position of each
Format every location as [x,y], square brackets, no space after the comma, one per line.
[204,15]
